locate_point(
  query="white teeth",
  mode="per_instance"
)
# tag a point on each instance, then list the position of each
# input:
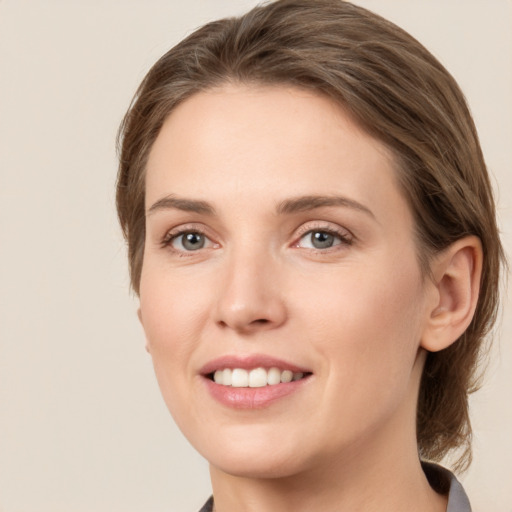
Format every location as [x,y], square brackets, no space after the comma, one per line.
[255,378]
[286,376]
[226,377]
[273,376]
[240,378]
[218,377]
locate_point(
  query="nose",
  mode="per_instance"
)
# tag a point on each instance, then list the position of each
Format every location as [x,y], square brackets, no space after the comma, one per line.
[251,298]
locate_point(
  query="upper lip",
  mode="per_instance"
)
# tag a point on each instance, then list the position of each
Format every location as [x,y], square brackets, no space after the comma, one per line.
[249,362]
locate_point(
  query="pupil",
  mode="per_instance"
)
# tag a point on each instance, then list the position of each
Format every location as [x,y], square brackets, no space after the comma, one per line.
[193,241]
[322,240]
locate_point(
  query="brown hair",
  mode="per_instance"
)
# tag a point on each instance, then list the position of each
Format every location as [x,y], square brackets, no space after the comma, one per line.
[401,95]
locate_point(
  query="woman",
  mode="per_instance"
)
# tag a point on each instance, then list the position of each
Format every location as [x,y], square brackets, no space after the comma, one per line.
[312,236]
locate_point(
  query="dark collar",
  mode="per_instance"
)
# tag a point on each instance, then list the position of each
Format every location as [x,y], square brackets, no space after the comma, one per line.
[444,482]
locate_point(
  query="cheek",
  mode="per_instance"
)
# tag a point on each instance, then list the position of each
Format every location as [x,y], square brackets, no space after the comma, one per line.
[374,302]
[173,312]
[173,309]
[367,328]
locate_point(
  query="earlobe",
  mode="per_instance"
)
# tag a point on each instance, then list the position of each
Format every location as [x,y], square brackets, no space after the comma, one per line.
[456,273]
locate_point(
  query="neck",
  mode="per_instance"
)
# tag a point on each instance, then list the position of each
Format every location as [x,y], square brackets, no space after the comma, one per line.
[349,485]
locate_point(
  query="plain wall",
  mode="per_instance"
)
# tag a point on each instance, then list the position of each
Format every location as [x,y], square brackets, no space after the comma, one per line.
[82,424]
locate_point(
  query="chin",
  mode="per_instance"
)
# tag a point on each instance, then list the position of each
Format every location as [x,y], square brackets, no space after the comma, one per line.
[255,457]
[262,467]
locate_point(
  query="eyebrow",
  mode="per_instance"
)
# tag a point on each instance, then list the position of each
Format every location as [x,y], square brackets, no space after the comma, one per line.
[187,205]
[286,207]
[305,203]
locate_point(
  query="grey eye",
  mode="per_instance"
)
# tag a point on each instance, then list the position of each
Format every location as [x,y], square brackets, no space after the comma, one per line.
[321,239]
[318,239]
[189,241]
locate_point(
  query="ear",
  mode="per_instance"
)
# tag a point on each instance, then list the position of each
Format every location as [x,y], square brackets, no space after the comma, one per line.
[456,273]
[139,315]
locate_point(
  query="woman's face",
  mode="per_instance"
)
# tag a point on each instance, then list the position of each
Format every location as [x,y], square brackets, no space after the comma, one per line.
[277,237]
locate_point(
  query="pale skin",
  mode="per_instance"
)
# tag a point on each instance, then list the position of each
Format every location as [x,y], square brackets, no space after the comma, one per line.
[254,174]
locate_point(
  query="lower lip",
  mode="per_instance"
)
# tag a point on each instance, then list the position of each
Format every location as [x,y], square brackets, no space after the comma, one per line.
[252,398]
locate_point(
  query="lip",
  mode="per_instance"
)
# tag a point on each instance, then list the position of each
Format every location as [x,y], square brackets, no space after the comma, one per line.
[251,398]
[249,362]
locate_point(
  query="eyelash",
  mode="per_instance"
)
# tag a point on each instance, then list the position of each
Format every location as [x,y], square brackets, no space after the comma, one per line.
[173,235]
[345,237]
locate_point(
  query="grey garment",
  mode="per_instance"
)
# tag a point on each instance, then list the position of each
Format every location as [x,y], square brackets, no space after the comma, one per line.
[458,500]
[208,506]
[442,480]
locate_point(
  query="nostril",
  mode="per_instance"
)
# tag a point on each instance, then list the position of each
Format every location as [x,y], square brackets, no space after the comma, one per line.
[260,321]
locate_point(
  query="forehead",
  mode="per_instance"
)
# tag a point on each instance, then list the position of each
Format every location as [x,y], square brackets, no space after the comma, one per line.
[268,140]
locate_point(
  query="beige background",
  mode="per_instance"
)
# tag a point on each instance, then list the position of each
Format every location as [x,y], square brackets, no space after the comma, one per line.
[82,425]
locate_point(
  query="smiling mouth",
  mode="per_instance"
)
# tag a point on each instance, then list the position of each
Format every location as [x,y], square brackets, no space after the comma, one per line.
[255,378]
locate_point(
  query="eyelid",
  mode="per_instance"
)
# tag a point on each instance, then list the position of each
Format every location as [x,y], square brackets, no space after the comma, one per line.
[173,233]
[328,227]
[344,236]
